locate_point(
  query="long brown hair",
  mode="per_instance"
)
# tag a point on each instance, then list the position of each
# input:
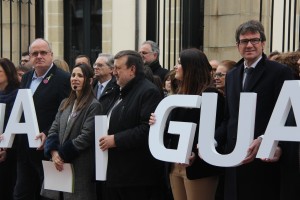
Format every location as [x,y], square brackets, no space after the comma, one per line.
[87,93]
[196,72]
[11,74]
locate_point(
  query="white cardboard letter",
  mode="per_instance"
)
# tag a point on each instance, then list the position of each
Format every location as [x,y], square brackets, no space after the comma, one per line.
[245,130]
[276,130]
[101,127]
[2,115]
[184,129]
[23,102]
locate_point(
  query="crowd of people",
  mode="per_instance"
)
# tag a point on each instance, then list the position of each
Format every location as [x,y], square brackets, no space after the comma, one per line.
[127,87]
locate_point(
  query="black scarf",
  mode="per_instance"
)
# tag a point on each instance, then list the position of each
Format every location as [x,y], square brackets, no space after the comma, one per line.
[8,98]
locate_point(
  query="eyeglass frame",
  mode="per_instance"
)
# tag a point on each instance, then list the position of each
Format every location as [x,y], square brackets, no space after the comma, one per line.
[145,53]
[42,53]
[219,75]
[99,65]
[253,41]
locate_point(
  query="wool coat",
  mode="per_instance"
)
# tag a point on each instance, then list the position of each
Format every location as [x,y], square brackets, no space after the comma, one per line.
[256,180]
[74,140]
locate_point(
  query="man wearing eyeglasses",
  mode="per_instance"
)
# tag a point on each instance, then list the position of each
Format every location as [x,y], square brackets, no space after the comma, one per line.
[150,55]
[49,86]
[105,86]
[254,178]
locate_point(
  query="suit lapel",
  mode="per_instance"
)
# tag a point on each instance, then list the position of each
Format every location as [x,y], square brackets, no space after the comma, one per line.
[46,81]
[69,125]
[96,89]
[256,75]
[106,89]
[28,80]
[238,77]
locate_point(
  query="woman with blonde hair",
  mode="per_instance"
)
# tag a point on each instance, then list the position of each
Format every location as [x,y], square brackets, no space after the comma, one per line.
[62,64]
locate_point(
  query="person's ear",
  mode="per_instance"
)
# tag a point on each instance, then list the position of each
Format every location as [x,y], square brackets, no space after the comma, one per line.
[133,69]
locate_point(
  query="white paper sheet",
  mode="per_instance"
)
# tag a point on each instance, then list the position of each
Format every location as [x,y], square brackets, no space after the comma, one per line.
[58,180]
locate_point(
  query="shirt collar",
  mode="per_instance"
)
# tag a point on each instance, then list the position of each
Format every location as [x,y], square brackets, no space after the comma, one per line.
[254,64]
[42,77]
[104,83]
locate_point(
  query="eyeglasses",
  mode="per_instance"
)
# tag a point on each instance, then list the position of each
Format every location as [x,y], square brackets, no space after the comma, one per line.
[145,53]
[42,53]
[219,75]
[98,65]
[253,41]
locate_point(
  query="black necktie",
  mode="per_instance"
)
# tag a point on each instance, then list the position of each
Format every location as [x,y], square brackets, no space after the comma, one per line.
[248,74]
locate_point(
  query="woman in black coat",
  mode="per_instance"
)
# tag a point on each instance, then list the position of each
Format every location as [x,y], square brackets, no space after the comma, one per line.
[198,179]
[9,85]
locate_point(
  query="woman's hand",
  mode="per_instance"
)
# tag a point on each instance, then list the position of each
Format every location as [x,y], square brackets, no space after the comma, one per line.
[57,160]
[191,160]
[152,119]
[252,150]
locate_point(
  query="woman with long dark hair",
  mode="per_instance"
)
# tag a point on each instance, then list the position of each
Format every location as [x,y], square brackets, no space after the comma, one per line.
[72,134]
[9,85]
[196,180]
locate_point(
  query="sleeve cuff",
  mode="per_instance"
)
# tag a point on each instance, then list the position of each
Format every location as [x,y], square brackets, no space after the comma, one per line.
[52,143]
[68,151]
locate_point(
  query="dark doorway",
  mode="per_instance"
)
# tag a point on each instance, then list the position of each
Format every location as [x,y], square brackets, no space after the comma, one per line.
[82,29]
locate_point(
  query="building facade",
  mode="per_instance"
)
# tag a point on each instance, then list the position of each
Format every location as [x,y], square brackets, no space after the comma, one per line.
[76,27]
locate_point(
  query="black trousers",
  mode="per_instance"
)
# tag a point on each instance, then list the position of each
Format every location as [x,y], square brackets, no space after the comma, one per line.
[7,178]
[30,177]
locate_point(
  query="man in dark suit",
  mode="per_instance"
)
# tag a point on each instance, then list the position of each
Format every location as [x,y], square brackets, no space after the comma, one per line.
[132,172]
[105,86]
[149,51]
[49,85]
[254,178]
[107,92]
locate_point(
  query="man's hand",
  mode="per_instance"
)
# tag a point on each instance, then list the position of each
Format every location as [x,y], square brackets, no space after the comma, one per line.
[3,155]
[43,138]
[276,157]
[252,150]
[107,142]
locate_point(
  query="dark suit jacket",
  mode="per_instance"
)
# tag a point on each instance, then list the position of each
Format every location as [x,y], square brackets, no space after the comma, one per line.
[109,95]
[290,171]
[158,70]
[257,180]
[47,98]
[130,163]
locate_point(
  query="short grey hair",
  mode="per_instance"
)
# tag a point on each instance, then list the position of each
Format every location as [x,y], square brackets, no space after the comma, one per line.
[109,59]
[49,46]
[154,46]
